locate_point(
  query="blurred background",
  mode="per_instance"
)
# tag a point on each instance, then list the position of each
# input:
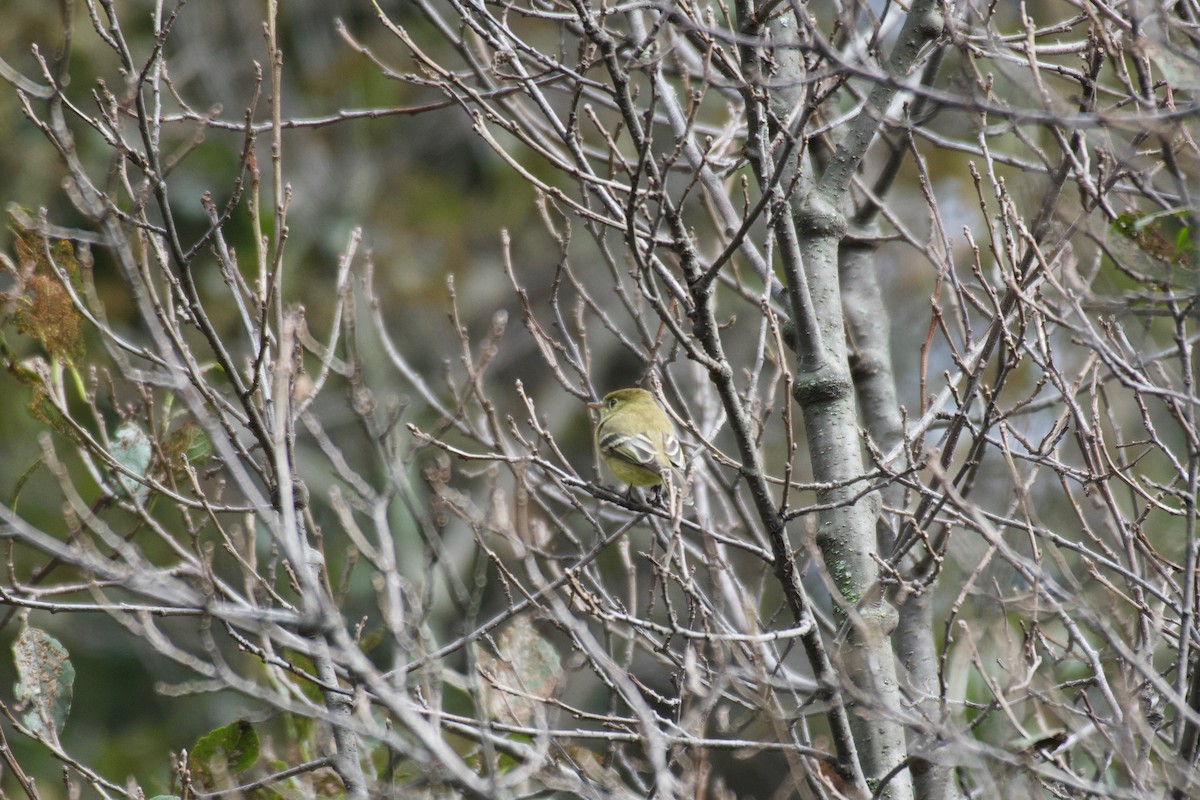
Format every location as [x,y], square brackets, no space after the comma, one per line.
[431,202]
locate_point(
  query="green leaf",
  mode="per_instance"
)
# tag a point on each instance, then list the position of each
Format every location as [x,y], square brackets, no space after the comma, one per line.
[525,671]
[1183,241]
[1175,63]
[45,680]
[21,481]
[236,744]
[1164,236]
[132,450]
[187,446]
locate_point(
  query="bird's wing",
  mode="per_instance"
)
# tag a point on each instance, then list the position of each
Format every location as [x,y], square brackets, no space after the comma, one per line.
[635,449]
[673,450]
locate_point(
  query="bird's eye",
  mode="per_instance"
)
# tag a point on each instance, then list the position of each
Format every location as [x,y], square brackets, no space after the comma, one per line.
[612,402]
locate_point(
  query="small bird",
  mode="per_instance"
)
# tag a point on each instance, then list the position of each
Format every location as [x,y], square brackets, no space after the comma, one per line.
[636,439]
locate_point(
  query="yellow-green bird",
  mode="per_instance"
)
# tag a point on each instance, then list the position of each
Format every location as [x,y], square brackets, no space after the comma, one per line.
[635,438]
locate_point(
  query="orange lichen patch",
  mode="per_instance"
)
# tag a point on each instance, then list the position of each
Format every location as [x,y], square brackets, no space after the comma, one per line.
[41,305]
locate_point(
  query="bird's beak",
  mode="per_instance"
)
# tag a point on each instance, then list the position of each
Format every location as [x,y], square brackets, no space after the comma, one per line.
[596,406]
